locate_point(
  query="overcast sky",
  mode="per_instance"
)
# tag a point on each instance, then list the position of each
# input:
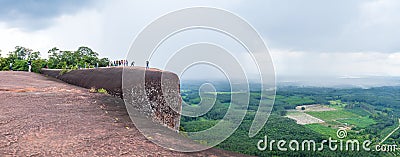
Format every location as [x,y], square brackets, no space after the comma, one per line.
[313,37]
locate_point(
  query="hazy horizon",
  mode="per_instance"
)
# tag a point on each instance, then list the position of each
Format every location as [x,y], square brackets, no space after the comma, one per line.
[329,82]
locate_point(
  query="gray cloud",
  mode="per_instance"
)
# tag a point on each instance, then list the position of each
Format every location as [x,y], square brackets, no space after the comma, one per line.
[326,26]
[37,14]
[302,35]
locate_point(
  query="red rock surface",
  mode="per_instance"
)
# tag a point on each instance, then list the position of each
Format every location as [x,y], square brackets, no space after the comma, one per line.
[42,116]
[151,101]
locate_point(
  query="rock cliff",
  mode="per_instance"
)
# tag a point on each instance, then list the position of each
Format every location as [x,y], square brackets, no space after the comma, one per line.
[146,95]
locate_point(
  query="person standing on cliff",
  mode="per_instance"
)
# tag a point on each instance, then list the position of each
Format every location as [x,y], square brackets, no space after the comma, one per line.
[11,66]
[147,64]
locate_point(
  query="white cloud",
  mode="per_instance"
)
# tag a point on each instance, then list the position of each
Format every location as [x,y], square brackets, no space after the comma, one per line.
[11,37]
[375,28]
[107,26]
[68,33]
[298,63]
[72,31]
[380,12]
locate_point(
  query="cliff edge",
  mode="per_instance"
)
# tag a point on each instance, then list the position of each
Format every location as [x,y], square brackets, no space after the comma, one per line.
[143,89]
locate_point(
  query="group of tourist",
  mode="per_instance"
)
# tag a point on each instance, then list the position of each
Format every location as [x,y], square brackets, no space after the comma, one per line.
[121,63]
[125,63]
[111,63]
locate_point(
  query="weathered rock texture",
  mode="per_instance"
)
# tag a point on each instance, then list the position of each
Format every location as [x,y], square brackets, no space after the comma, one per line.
[143,89]
[42,116]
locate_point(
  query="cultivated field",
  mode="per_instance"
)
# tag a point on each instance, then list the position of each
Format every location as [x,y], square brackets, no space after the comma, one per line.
[303,118]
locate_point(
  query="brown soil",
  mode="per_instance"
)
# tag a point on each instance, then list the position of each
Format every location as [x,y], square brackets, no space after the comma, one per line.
[303,118]
[42,116]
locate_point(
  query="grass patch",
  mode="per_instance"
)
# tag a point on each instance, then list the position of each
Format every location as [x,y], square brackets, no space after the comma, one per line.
[337,103]
[100,90]
[279,97]
[324,130]
[361,122]
[359,111]
[333,115]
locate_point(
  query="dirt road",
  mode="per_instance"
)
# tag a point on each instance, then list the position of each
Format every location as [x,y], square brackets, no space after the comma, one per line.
[42,116]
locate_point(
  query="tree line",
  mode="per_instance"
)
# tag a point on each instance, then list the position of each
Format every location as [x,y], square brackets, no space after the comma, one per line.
[83,57]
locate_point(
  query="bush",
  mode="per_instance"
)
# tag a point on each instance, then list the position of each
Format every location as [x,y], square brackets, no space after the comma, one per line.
[5,68]
[20,65]
[102,90]
[38,64]
[4,64]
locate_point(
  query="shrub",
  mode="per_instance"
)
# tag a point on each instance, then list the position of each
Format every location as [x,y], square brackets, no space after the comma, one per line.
[102,90]
[20,65]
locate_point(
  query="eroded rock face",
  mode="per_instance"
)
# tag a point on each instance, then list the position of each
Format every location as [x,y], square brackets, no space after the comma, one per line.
[152,92]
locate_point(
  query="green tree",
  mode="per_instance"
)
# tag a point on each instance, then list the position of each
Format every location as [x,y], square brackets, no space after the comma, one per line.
[20,65]
[74,59]
[87,55]
[54,58]
[20,57]
[38,64]
[57,59]
[3,63]
[33,56]
[20,53]
[104,62]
